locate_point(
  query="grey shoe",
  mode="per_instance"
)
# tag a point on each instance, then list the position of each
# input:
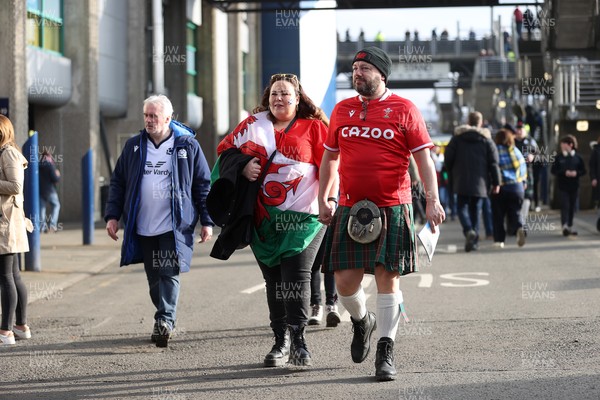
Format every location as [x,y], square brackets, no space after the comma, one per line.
[333,316]
[164,333]
[521,235]
[316,314]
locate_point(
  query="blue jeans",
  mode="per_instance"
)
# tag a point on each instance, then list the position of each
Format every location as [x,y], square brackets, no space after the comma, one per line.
[54,204]
[487,217]
[162,270]
[469,208]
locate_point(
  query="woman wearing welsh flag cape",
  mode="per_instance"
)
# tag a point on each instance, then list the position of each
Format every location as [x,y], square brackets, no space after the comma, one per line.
[287,234]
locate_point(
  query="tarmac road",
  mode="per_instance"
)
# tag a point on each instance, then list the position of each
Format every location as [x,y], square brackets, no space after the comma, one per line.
[516,323]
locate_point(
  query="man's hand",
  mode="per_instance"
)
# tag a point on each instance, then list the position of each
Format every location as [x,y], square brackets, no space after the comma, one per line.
[205,234]
[594,182]
[326,210]
[112,227]
[435,214]
[496,189]
[252,169]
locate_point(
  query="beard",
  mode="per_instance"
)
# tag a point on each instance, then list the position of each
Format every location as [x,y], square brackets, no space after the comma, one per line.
[367,87]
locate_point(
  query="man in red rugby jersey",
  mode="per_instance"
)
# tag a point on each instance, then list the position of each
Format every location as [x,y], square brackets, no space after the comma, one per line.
[371,137]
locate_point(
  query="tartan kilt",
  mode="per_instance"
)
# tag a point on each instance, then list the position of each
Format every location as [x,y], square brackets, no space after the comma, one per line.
[395,249]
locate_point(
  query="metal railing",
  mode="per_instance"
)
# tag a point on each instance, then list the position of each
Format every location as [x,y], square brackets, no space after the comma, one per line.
[493,68]
[577,82]
[440,48]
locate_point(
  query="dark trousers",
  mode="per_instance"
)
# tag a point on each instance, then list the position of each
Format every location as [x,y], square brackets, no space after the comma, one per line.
[315,281]
[13,293]
[162,270]
[506,206]
[288,286]
[568,203]
[538,185]
[469,208]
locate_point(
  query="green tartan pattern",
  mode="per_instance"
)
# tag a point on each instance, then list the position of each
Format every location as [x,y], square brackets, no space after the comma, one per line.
[395,249]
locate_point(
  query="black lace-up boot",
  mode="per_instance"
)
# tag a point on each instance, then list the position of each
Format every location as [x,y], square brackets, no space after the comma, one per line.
[384,360]
[299,354]
[361,341]
[280,352]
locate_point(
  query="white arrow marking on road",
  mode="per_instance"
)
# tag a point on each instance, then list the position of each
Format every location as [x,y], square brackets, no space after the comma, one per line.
[425,280]
[254,288]
[469,282]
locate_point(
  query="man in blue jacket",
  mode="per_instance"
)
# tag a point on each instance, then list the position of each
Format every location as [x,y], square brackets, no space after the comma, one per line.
[159,187]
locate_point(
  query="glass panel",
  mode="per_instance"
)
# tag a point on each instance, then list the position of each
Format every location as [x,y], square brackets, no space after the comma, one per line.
[52,9]
[51,35]
[33,30]
[191,60]
[34,5]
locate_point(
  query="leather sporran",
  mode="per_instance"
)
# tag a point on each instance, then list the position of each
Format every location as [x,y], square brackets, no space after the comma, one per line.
[364,224]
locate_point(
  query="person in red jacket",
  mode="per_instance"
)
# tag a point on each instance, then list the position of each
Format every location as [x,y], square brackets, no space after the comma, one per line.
[518,21]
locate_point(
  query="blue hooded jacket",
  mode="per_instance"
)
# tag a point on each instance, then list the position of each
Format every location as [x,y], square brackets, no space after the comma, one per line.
[190,184]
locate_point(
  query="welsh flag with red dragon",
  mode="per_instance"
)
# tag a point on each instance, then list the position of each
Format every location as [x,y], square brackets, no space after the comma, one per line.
[285,216]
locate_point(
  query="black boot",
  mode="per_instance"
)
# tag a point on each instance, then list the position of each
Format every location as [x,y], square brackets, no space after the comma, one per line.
[280,352]
[299,354]
[361,341]
[384,360]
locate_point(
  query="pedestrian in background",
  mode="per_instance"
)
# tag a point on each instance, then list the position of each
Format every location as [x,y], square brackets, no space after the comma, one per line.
[372,135]
[471,158]
[506,204]
[286,131]
[49,178]
[159,188]
[518,15]
[332,316]
[13,237]
[568,167]
[595,176]
[529,148]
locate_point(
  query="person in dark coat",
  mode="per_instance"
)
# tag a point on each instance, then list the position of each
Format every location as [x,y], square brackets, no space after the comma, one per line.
[472,160]
[49,177]
[595,176]
[568,168]
[159,187]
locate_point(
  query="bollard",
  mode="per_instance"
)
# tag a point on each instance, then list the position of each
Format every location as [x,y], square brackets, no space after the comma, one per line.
[87,197]
[31,191]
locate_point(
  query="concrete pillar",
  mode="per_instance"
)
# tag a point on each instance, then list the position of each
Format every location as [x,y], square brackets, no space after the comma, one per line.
[207,134]
[235,69]
[175,56]
[13,64]
[117,129]
[253,67]
[73,129]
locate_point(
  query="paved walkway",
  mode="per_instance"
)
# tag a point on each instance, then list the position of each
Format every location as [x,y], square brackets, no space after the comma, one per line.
[66,261]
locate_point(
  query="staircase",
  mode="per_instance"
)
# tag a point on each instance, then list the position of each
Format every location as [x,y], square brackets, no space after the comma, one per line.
[571,24]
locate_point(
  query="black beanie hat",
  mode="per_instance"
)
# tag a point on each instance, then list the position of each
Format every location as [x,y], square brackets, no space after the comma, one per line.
[377,57]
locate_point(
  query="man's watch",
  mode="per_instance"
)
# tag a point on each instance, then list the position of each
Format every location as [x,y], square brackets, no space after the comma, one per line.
[332,199]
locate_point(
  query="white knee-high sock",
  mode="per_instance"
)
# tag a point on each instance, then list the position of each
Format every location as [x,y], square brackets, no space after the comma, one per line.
[356,304]
[388,315]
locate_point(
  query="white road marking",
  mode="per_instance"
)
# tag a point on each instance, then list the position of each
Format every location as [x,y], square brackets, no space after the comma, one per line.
[254,288]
